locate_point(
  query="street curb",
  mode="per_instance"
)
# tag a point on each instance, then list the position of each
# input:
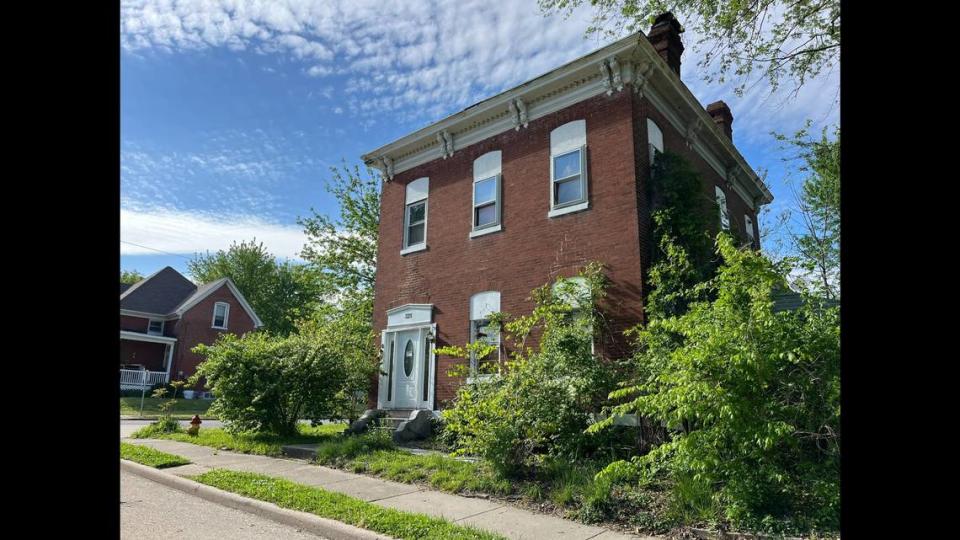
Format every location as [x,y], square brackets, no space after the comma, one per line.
[324,527]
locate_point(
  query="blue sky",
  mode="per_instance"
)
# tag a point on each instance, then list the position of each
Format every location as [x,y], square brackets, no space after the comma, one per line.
[232,112]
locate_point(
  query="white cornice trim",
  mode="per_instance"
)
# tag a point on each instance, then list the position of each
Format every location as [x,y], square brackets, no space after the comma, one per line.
[627,61]
[145,315]
[137,336]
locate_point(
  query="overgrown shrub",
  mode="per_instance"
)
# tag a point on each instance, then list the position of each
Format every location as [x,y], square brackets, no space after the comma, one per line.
[752,397]
[269,383]
[162,426]
[541,403]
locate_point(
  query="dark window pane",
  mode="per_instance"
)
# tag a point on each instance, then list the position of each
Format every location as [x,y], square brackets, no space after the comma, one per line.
[417,212]
[485,191]
[486,215]
[568,191]
[415,235]
[566,165]
[408,358]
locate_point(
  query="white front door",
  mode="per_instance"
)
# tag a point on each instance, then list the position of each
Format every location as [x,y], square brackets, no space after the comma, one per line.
[407,367]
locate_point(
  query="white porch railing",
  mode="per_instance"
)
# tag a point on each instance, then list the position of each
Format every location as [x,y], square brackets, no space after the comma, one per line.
[135,378]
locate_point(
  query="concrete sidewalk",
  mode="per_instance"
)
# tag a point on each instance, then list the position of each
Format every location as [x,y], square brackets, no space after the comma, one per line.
[493,516]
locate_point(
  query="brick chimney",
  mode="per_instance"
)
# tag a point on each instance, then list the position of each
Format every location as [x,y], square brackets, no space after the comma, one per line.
[722,117]
[664,35]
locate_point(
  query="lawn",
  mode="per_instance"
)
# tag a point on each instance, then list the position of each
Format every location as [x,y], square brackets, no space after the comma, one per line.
[148,456]
[183,409]
[339,507]
[559,487]
[266,444]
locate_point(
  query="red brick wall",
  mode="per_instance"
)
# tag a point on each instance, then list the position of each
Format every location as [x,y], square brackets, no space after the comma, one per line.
[134,324]
[674,141]
[532,249]
[195,328]
[143,353]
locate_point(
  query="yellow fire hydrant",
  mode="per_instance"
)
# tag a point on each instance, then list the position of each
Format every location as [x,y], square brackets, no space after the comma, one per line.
[194,428]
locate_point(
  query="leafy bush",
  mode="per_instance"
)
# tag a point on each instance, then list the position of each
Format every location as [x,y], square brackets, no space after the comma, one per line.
[752,398]
[268,383]
[542,402]
[163,426]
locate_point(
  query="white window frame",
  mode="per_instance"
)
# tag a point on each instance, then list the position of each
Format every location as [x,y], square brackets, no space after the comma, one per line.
[654,139]
[564,140]
[579,282]
[748,226]
[482,306]
[226,316]
[417,192]
[475,325]
[486,167]
[152,332]
[722,205]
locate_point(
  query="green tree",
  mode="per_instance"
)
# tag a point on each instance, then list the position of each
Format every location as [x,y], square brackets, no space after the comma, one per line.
[343,251]
[280,292]
[795,39]
[130,276]
[268,383]
[680,215]
[752,399]
[817,242]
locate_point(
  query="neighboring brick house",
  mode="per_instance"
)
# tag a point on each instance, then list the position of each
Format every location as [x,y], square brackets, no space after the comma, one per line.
[165,315]
[480,208]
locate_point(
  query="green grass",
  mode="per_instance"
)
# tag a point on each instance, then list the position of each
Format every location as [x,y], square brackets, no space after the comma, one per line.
[183,409]
[148,456]
[265,444]
[339,507]
[569,487]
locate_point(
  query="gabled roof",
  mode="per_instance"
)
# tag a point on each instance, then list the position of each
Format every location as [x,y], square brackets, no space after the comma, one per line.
[205,290]
[166,293]
[124,286]
[160,292]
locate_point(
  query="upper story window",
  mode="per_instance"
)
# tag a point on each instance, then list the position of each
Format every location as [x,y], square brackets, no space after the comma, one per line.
[655,139]
[722,204]
[415,216]
[482,305]
[486,194]
[155,327]
[568,168]
[576,292]
[748,225]
[221,314]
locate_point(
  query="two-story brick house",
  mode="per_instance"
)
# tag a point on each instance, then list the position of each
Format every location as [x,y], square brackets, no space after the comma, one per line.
[485,205]
[165,315]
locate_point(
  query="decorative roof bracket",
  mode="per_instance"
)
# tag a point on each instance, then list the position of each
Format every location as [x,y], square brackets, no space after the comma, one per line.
[611,75]
[518,110]
[446,143]
[387,167]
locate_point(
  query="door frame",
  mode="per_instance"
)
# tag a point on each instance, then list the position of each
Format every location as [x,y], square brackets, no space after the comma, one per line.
[426,336]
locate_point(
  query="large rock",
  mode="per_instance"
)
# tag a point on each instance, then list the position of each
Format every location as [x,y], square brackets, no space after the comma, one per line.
[417,427]
[362,424]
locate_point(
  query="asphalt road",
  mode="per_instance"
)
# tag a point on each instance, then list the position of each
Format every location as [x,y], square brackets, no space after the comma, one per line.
[149,510]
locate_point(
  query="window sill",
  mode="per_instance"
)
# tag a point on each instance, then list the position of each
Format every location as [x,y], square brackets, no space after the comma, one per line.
[488,230]
[413,249]
[219,327]
[568,209]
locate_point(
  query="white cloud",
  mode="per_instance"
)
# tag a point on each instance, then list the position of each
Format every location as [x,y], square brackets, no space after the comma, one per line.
[418,61]
[181,232]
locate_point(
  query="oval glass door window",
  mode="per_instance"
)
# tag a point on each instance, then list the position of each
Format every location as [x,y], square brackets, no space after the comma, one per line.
[408,358]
